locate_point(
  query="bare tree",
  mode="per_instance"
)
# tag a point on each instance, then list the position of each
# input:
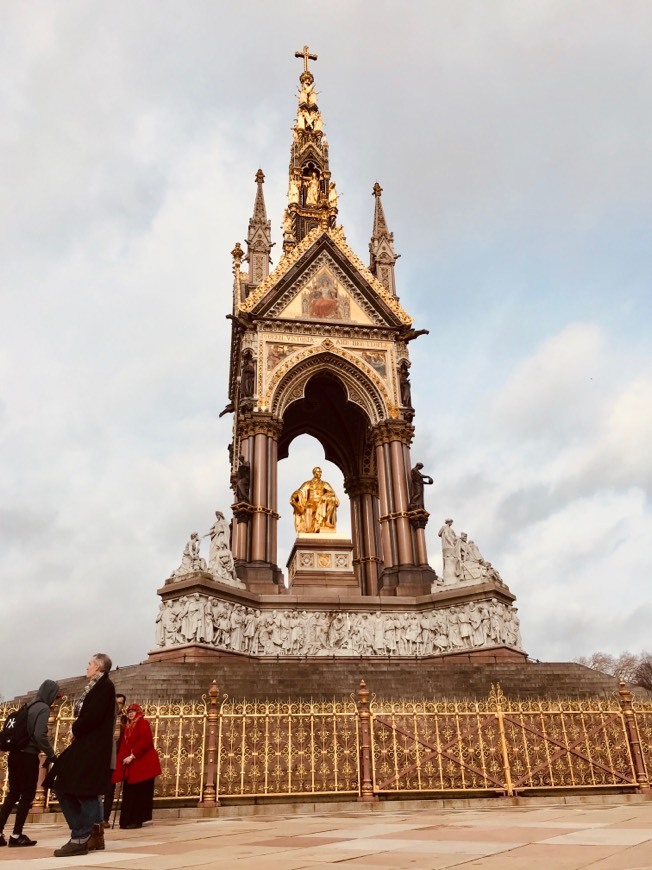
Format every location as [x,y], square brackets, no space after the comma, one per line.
[644,672]
[598,661]
[626,666]
[633,668]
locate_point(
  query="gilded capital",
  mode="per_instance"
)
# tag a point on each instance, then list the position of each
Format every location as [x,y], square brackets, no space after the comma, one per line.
[392,430]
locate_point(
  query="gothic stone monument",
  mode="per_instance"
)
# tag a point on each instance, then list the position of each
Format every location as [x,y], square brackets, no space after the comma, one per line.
[320,345]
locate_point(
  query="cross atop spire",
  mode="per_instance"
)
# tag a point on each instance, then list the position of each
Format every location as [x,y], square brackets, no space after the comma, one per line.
[305,54]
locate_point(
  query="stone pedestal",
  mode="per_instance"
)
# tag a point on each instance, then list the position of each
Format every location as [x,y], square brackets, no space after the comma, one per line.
[322,562]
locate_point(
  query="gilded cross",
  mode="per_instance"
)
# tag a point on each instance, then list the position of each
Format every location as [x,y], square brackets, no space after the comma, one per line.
[305,54]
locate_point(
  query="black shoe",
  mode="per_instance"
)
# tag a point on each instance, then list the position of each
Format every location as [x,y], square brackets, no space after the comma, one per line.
[3,842]
[71,848]
[133,826]
[21,840]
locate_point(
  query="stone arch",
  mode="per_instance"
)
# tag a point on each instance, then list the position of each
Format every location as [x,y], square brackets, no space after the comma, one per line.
[357,379]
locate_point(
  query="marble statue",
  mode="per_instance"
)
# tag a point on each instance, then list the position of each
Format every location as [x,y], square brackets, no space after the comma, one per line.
[492,574]
[220,558]
[315,505]
[417,482]
[191,561]
[450,549]
[160,625]
[333,196]
[472,564]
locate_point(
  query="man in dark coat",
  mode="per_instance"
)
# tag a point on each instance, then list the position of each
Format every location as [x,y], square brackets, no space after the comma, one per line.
[23,764]
[81,772]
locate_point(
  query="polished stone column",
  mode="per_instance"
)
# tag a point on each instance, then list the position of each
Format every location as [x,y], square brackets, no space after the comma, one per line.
[401,499]
[362,492]
[390,557]
[256,530]
[259,499]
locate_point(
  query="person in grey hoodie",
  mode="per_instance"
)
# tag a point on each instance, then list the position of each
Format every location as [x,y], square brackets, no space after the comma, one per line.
[23,764]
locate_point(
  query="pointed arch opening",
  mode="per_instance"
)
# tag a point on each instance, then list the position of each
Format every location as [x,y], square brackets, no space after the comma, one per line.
[304,452]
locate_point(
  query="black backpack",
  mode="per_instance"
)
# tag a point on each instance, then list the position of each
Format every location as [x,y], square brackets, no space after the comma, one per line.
[14,734]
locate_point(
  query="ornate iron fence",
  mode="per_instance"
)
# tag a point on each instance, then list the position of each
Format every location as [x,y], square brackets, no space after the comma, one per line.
[294,748]
[500,746]
[367,748]
[642,716]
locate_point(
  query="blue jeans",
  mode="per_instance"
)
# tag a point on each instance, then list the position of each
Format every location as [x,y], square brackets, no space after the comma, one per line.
[81,813]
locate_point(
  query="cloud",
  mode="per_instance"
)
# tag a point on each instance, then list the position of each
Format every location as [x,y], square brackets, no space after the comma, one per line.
[513,148]
[555,487]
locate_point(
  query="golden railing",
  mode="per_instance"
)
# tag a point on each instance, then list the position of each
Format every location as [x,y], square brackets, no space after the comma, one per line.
[293,748]
[642,711]
[364,747]
[501,746]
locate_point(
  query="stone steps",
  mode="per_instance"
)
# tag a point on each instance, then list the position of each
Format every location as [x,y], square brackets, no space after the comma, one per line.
[339,678]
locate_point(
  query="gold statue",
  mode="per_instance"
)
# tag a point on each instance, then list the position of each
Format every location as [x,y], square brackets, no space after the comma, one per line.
[315,505]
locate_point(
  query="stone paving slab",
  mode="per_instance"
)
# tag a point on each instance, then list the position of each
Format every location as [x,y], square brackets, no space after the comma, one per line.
[611,836]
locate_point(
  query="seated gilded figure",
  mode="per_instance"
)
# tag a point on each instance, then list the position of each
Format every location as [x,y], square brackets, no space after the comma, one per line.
[315,505]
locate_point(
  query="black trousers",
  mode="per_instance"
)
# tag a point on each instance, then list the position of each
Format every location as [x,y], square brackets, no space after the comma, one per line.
[23,777]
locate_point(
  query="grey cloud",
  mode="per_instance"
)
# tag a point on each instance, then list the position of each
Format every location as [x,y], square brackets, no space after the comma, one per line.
[513,146]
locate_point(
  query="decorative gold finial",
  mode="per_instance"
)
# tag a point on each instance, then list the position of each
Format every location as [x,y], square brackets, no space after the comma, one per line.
[305,54]
[377,189]
[260,177]
[238,254]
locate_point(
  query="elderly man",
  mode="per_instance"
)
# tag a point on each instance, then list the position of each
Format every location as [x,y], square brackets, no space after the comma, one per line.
[80,774]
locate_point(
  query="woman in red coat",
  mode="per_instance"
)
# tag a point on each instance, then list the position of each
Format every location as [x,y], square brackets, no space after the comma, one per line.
[137,766]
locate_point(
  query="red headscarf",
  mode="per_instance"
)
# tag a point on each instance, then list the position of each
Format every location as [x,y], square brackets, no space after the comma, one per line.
[138,711]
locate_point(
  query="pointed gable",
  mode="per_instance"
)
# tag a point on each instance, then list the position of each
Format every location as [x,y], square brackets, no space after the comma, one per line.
[322,280]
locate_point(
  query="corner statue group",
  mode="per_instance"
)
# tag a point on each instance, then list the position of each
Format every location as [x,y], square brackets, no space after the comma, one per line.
[315,505]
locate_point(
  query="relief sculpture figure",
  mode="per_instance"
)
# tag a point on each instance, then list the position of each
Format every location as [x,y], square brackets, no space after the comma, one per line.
[315,505]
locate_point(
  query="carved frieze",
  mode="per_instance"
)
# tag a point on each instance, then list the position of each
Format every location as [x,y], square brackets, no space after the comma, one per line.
[227,625]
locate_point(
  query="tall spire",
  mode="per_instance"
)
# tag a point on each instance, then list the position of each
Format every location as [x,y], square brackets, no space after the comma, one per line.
[259,237]
[381,247]
[312,197]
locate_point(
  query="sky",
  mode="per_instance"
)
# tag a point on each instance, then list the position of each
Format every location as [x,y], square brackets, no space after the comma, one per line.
[512,141]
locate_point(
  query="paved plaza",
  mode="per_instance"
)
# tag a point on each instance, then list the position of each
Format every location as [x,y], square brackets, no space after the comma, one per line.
[612,835]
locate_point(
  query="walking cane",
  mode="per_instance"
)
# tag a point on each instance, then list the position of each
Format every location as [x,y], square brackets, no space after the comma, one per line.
[118,798]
